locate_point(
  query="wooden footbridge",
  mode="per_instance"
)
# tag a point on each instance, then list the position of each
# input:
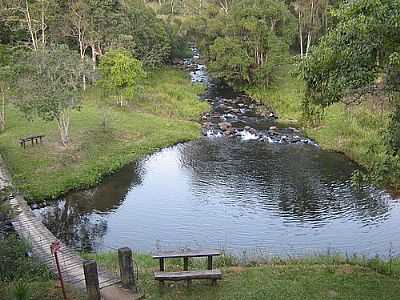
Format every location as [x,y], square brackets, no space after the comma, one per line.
[30,227]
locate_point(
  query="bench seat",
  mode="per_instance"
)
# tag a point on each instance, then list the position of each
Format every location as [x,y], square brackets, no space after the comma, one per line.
[188,275]
[174,254]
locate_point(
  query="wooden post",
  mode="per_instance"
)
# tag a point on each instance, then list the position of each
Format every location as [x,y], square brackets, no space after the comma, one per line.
[126,268]
[210,262]
[185,264]
[92,280]
[162,269]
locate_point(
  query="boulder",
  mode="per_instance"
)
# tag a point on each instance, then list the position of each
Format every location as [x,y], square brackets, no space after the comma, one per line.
[208,125]
[294,129]
[253,131]
[225,126]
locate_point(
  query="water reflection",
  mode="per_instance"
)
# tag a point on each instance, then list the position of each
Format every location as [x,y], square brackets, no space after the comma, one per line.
[298,183]
[76,219]
[235,195]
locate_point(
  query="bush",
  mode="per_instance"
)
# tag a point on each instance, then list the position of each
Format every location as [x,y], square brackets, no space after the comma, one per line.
[16,265]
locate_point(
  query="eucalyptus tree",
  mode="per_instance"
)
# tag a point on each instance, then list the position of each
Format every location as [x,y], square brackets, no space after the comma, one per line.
[7,80]
[363,46]
[251,42]
[144,34]
[29,19]
[50,87]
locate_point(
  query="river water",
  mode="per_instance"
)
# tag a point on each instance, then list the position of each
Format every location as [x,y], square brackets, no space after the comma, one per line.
[249,186]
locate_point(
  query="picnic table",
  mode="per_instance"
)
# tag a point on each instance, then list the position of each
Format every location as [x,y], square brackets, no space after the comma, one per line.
[162,275]
[34,139]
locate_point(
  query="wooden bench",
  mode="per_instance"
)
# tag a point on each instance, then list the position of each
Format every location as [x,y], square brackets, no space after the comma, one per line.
[34,139]
[187,275]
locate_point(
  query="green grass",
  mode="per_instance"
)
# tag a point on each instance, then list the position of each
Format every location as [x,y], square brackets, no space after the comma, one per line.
[164,115]
[325,277]
[284,96]
[354,131]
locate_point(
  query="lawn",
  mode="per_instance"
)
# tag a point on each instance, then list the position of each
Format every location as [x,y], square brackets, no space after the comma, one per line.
[309,278]
[164,114]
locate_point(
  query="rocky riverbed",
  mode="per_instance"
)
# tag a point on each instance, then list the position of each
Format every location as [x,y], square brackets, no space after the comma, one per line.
[236,115]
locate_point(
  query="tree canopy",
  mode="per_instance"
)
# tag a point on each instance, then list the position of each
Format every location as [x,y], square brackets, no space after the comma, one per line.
[120,74]
[50,86]
[360,51]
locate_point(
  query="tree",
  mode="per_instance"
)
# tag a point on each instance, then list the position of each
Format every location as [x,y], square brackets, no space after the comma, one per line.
[51,86]
[29,20]
[144,34]
[230,61]
[6,82]
[121,74]
[312,21]
[257,31]
[355,54]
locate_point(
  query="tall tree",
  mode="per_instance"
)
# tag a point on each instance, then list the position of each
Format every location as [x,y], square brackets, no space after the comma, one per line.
[51,86]
[7,79]
[356,53]
[258,31]
[31,18]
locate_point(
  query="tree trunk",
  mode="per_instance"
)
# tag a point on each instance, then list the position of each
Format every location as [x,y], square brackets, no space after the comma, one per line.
[63,126]
[3,112]
[301,36]
[94,56]
[82,49]
[310,29]
[308,43]
[30,28]
[43,25]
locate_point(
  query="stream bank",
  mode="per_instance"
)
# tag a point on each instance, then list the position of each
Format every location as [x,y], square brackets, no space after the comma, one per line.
[248,190]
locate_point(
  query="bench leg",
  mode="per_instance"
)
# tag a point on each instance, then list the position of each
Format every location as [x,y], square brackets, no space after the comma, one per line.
[210,262]
[162,265]
[189,283]
[162,284]
[213,282]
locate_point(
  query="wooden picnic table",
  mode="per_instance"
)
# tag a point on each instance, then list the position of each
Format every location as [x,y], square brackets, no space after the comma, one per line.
[187,275]
[34,139]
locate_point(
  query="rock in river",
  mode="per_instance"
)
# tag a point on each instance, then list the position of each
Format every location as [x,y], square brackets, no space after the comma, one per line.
[225,126]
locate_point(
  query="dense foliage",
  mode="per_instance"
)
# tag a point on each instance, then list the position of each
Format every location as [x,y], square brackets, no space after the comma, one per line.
[248,43]
[359,56]
[363,47]
[120,75]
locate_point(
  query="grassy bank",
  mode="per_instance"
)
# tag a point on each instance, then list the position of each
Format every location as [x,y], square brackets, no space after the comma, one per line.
[355,130]
[163,115]
[311,278]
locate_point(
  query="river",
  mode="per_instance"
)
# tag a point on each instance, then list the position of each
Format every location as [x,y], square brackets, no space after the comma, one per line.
[249,185]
